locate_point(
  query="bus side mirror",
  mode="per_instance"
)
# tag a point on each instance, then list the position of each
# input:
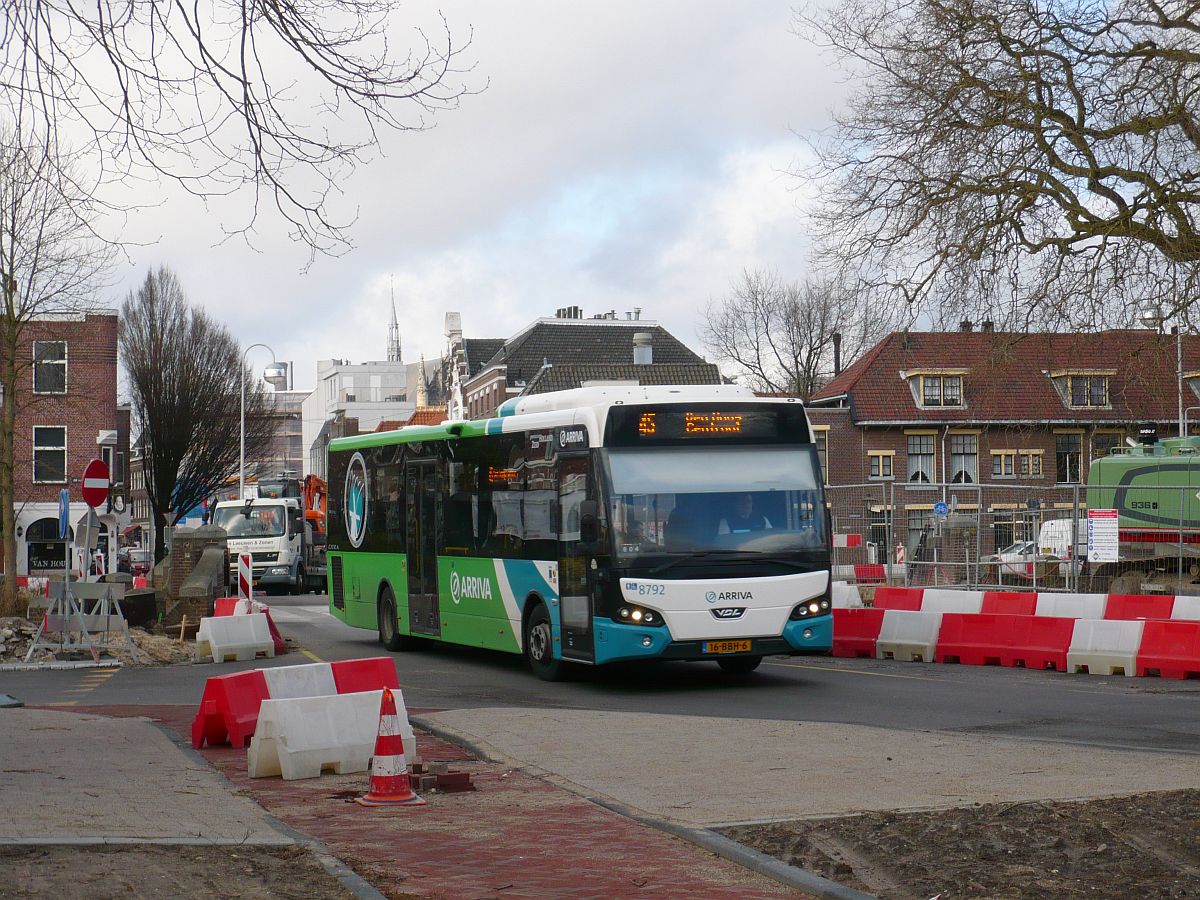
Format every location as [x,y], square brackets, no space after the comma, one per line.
[589,522]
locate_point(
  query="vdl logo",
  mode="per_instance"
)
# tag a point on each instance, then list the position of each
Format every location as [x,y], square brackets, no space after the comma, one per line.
[356,500]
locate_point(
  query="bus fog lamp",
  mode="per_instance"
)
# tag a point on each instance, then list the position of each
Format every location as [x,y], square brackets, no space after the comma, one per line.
[808,633]
[646,641]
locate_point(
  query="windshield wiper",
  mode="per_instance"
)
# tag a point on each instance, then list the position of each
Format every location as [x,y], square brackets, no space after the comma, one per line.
[713,555]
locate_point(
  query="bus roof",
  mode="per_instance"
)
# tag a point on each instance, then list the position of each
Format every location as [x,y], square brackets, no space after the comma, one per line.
[561,402]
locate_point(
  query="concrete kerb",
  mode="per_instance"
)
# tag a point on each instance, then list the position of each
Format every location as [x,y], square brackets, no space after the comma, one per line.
[347,877]
[61,664]
[706,839]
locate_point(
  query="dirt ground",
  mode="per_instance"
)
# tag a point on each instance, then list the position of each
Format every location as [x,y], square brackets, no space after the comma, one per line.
[147,871]
[16,634]
[1145,846]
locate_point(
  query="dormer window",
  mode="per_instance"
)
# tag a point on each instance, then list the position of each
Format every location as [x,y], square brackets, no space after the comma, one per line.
[941,390]
[1088,390]
[1083,388]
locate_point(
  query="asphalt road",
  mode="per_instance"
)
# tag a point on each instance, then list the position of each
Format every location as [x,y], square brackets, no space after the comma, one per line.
[1138,713]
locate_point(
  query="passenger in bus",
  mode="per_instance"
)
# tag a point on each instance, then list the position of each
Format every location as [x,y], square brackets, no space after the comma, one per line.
[743,518]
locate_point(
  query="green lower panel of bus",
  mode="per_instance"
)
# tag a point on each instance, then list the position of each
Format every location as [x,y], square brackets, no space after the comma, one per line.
[479,600]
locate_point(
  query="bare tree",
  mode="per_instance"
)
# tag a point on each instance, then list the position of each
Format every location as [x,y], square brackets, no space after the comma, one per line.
[1036,162]
[779,335]
[280,95]
[185,372]
[51,263]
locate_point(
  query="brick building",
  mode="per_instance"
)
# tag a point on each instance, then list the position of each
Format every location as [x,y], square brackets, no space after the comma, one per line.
[1006,423]
[67,415]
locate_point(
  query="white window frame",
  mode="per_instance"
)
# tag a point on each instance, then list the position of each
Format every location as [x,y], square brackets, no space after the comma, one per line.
[63,362]
[38,447]
[931,474]
[973,455]
[940,402]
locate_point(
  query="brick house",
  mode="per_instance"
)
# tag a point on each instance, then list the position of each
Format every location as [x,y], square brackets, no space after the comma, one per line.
[67,415]
[1008,422]
[567,351]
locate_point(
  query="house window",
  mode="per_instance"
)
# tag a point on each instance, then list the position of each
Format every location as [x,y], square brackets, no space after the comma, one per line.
[964,458]
[821,439]
[1030,464]
[920,458]
[1004,464]
[1088,390]
[1103,442]
[1067,457]
[49,455]
[941,390]
[881,463]
[918,519]
[49,367]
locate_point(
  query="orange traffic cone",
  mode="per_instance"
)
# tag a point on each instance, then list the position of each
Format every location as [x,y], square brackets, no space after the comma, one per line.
[389,775]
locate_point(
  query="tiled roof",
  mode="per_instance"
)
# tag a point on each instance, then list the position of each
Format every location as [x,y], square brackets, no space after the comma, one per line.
[427,415]
[562,342]
[389,425]
[1008,376]
[478,352]
[563,378]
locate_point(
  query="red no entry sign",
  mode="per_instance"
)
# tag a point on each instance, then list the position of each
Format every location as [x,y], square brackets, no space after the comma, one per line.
[95,483]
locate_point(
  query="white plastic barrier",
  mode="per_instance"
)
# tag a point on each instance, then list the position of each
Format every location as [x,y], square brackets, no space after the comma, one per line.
[1185,608]
[939,600]
[846,596]
[1103,646]
[1071,606]
[312,680]
[908,635]
[234,637]
[302,736]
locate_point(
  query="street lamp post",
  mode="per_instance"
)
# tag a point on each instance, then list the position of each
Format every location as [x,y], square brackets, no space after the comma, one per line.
[275,374]
[1153,317]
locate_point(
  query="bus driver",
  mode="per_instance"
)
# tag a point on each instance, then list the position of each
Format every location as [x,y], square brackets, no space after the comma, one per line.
[743,519]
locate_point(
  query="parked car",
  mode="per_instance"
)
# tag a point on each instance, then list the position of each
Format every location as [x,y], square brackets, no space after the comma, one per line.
[1021,561]
[140,562]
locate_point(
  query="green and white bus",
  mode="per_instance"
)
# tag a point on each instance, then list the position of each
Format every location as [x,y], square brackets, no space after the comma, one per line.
[589,526]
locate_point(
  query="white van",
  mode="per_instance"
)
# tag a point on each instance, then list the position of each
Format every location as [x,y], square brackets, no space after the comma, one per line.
[1055,540]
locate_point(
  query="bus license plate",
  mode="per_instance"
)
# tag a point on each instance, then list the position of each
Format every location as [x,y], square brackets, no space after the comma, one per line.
[726,646]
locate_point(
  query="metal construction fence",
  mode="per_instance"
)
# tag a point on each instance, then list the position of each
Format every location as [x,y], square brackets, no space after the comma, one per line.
[1005,536]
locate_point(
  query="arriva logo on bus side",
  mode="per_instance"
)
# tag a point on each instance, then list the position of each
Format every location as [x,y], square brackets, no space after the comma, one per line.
[469,587]
[356,500]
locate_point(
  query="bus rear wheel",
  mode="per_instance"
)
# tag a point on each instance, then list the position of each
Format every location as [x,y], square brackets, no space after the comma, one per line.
[389,632]
[539,646]
[739,665]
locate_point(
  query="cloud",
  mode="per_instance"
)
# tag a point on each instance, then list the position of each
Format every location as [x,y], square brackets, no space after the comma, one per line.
[623,155]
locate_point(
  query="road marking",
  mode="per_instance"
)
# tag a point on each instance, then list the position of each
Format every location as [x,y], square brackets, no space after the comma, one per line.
[851,671]
[63,703]
[311,655]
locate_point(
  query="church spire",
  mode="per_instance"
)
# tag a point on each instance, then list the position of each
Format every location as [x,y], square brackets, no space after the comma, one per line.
[393,346]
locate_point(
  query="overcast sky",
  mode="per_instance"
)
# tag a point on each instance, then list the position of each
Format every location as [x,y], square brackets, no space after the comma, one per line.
[623,154]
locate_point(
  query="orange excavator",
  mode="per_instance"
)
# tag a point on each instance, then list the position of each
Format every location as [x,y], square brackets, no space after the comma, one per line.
[315,493]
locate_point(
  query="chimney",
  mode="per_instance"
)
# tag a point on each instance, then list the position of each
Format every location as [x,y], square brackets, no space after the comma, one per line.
[643,350]
[988,326]
[966,326]
[837,353]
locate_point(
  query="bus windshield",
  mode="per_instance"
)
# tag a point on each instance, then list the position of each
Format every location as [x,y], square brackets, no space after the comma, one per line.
[263,521]
[669,501]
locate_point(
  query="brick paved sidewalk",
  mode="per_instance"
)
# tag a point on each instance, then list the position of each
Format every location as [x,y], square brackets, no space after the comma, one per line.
[516,836]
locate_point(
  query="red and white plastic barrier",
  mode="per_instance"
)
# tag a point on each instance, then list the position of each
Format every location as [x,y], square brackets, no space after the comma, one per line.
[236,606]
[229,707]
[1109,642]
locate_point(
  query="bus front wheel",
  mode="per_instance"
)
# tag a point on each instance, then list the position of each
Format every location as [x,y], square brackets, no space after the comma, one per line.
[539,645]
[739,665]
[389,633]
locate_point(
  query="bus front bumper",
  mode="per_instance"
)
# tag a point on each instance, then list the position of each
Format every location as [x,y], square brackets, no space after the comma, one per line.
[617,641]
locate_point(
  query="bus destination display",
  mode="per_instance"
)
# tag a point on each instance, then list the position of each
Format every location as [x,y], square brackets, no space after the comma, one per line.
[633,426]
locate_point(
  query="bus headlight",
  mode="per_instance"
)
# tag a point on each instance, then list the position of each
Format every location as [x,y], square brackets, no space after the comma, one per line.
[818,606]
[638,615]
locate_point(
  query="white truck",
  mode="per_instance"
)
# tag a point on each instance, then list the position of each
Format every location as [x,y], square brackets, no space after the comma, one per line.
[279,539]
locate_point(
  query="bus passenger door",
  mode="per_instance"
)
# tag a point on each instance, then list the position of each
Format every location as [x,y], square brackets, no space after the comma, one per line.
[422,494]
[574,574]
